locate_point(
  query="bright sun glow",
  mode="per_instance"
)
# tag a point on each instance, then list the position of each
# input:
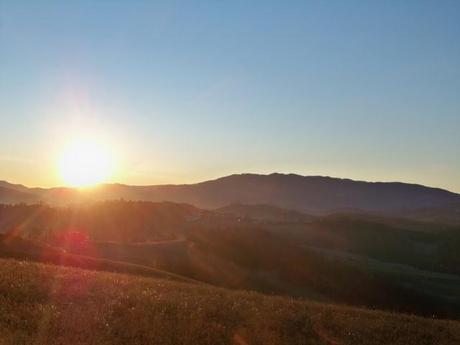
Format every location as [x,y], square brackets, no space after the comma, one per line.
[85,163]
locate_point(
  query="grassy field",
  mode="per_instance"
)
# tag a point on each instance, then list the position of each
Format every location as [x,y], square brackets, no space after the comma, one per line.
[47,304]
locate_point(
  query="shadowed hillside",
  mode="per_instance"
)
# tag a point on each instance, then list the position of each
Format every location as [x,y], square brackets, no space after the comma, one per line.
[26,249]
[346,259]
[118,221]
[263,213]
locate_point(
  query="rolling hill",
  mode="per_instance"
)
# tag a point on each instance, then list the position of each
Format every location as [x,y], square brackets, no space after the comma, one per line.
[339,258]
[45,304]
[263,213]
[26,249]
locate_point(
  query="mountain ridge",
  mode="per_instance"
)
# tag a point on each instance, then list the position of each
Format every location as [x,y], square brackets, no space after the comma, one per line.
[19,186]
[308,194]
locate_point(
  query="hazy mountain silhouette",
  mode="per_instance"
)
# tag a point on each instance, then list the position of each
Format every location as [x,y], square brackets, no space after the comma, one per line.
[13,196]
[309,194]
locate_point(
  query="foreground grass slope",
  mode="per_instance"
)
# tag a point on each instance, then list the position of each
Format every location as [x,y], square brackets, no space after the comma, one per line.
[47,304]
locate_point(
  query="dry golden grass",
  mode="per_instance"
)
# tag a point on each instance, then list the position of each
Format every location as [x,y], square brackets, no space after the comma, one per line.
[46,304]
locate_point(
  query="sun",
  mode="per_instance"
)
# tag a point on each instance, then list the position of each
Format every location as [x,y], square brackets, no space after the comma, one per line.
[85,163]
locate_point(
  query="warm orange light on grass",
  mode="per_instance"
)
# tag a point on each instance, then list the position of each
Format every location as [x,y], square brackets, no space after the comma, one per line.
[85,163]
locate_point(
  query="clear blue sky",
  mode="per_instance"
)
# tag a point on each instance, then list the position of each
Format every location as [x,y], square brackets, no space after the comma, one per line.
[192,90]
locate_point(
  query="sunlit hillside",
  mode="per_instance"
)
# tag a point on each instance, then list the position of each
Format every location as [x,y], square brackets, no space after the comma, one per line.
[43,304]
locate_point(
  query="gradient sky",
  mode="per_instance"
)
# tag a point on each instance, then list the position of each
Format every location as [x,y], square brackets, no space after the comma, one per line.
[192,90]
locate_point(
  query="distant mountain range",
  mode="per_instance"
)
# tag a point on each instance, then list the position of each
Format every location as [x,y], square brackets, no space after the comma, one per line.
[314,195]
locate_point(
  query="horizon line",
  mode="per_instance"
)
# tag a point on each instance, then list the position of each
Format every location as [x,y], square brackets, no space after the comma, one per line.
[226,176]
